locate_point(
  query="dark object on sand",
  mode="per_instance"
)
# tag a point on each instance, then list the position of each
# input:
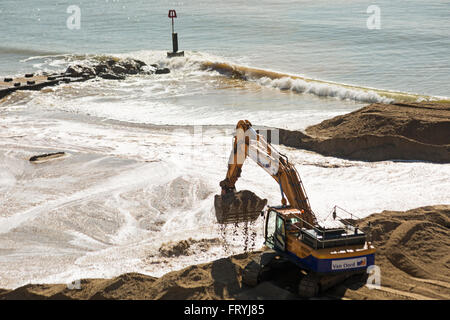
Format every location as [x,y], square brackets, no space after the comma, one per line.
[29,75]
[239,206]
[17,84]
[8,79]
[47,156]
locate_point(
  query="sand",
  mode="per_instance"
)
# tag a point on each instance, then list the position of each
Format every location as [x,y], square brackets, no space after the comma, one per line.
[413,253]
[414,131]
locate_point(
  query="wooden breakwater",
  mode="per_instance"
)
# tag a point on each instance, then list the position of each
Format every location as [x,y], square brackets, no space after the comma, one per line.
[37,82]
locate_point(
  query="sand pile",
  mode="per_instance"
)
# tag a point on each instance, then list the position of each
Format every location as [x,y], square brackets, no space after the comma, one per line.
[216,280]
[413,253]
[416,131]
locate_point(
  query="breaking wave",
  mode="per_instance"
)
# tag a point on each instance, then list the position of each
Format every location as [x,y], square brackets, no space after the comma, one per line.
[194,62]
[323,90]
[319,88]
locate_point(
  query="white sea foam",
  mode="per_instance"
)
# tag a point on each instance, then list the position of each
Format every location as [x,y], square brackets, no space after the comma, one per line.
[323,90]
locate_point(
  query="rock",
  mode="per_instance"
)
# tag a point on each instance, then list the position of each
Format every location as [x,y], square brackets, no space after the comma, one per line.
[78,71]
[147,70]
[140,63]
[114,69]
[118,69]
[111,76]
[74,71]
[162,71]
[87,75]
[133,71]
[132,66]
[101,68]
[111,62]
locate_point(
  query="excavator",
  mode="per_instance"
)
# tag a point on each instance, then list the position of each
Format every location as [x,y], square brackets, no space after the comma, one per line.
[325,256]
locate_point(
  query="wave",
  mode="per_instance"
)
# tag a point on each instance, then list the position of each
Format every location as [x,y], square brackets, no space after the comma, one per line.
[194,62]
[26,51]
[320,88]
[324,90]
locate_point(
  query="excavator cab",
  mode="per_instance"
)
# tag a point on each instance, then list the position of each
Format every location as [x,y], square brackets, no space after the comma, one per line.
[316,248]
[275,231]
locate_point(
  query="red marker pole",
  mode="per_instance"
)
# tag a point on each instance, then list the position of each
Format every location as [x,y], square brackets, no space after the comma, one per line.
[173,14]
[174,53]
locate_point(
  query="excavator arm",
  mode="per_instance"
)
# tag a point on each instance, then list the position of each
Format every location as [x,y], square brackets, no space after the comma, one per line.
[249,143]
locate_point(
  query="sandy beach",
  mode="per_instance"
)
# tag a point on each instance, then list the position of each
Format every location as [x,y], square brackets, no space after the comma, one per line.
[412,254]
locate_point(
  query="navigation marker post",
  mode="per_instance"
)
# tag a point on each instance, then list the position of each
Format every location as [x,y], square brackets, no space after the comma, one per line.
[174,53]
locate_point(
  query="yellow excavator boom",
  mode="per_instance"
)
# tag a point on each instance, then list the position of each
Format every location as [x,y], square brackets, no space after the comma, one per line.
[247,142]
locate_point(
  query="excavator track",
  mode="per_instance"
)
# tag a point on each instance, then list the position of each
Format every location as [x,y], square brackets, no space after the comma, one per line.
[265,265]
[257,269]
[309,286]
[251,274]
[312,284]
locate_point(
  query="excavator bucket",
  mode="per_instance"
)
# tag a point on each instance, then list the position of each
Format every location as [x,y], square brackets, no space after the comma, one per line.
[234,207]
